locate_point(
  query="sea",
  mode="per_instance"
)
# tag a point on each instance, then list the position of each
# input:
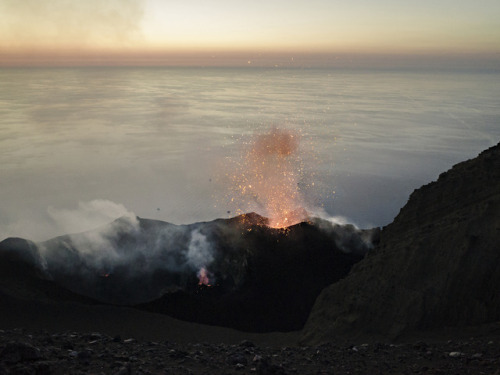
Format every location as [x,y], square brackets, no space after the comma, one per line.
[81,146]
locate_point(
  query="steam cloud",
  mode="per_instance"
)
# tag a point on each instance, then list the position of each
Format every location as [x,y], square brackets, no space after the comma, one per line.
[137,252]
[122,244]
[200,252]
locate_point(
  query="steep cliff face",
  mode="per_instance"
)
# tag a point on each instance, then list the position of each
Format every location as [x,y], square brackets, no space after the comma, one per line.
[437,264]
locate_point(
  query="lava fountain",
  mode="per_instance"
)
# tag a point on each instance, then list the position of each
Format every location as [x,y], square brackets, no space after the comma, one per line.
[203,277]
[269,176]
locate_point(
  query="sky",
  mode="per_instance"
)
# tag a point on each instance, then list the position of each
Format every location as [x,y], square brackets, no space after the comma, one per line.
[156,32]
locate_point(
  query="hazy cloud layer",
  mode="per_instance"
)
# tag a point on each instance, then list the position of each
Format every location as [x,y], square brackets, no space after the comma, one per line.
[70,23]
[88,215]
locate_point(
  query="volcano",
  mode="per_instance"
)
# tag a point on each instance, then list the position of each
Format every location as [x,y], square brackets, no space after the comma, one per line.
[237,273]
[436,265]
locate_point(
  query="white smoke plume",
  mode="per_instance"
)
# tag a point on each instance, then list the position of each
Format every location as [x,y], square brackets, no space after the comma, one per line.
[99,246]
[108,241]
[200,251]
[104,242]
[91,231]
[348,237]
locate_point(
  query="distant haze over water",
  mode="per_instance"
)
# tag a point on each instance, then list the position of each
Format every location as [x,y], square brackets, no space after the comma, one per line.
[81,146]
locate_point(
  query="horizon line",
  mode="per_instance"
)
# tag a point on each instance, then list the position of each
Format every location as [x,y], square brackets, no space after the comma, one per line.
[239,58]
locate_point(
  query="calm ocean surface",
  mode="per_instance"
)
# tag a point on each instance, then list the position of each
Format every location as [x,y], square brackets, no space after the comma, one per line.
[160,141]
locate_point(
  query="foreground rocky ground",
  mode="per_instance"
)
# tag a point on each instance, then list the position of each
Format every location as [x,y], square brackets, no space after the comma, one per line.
[38,352]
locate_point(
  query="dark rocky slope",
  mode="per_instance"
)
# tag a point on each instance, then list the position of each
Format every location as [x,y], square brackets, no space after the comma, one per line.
[437,264]
[22,275]
[260,279]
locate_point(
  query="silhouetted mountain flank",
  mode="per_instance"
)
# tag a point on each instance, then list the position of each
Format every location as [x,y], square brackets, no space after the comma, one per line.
[437,264]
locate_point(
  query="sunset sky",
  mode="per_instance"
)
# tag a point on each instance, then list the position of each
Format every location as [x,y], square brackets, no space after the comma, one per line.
[157,32]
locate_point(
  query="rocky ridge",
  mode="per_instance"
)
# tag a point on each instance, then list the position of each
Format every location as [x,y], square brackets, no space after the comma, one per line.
[437,264]
[258,279]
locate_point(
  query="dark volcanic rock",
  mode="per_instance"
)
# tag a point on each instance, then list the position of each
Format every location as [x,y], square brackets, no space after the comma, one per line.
[438,263]
[18,352]
[465,357]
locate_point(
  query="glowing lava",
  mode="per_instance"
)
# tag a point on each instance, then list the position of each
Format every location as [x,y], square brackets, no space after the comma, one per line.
[203,277]
[269,176]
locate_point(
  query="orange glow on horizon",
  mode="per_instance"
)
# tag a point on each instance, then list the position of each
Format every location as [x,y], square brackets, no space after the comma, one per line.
[19,57]
[156,32]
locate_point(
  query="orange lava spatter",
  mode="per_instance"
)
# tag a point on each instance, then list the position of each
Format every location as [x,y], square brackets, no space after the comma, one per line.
[269,176]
